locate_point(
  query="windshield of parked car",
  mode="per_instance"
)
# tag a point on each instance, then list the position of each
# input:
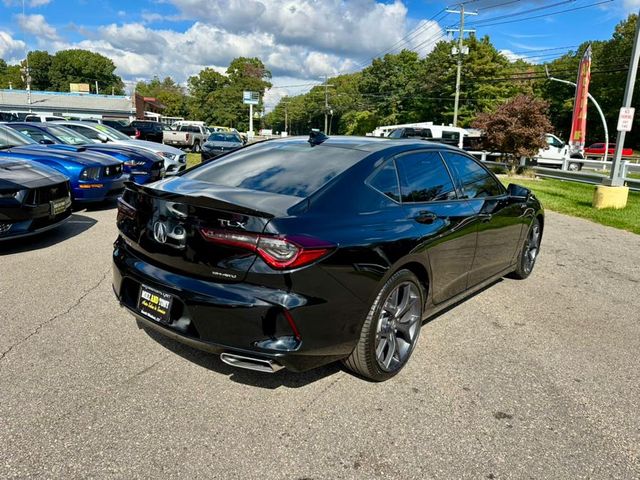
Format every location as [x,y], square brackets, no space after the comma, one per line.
[112,132]
[281,168]
[68,136]
[10,138]
[224,137]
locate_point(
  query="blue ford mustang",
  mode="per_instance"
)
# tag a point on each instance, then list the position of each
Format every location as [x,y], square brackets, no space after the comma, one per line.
[142,166]
[94,176]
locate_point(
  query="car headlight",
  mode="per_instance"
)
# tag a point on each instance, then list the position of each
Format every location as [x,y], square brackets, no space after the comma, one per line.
[135,163]
[13,194]
[168,155]
[91,173]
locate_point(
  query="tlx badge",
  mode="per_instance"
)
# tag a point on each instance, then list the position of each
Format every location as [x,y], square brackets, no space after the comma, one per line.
[232,223]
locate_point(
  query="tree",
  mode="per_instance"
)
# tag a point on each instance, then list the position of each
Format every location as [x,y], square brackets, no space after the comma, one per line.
[168,93]
[516,127]
[39,69]
[10,76]
[83,66]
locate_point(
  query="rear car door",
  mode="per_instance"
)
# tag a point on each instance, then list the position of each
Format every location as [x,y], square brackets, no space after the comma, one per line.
[444,223]
[499,218]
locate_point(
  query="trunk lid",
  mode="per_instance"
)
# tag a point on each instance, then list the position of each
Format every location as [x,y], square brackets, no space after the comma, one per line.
[164,224]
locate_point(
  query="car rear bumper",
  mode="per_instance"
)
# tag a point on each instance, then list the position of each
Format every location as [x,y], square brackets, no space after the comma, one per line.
[240,318]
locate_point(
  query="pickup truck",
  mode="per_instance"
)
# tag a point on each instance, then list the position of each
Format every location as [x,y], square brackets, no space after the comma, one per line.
[555,153]
[186,136]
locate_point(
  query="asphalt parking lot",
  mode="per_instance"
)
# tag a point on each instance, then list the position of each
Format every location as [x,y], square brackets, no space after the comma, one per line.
[527,379]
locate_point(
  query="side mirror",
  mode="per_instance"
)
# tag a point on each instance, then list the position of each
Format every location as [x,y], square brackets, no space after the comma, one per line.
[46,141]
[103,138]
[518,191]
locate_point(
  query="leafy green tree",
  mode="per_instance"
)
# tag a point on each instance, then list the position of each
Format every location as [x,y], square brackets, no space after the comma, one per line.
[39,68]
[83,66]
[10,76]
[168,93]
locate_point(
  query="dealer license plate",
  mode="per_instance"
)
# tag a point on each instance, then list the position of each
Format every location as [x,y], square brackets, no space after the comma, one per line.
[59,206]
[154,304]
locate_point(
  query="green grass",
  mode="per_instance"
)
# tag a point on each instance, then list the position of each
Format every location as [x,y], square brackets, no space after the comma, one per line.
[193,159]
[575,199]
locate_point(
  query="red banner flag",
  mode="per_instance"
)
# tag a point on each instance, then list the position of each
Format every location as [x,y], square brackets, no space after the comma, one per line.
[580,104]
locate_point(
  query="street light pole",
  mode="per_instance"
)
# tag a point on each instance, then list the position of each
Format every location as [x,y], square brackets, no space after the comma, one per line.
[616,179]
[604,121]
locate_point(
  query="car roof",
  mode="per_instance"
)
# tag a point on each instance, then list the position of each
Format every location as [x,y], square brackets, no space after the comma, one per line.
[369,144]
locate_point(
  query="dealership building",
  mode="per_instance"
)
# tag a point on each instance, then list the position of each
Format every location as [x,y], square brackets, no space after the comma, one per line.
[79,106]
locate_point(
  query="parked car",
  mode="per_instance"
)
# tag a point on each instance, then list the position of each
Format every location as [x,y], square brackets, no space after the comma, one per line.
[175,160]
[187,136]
[597,149]
[122,126]
[33,198]
[39,118]
[219,143]
[410,132]
[148,130]
[142,166]
[94,177]
[294,254]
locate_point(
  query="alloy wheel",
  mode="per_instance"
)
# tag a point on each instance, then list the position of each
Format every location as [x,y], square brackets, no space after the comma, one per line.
[398,326]
[531,248]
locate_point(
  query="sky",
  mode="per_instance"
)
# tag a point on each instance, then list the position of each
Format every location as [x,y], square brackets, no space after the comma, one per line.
[300,41]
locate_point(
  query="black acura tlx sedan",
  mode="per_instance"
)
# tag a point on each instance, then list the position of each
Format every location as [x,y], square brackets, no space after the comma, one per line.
[299,252]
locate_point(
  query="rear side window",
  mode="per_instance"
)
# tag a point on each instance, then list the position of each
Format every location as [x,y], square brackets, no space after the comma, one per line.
[385,180]
[87,132]
[424,178]
[295,169]
[474,180]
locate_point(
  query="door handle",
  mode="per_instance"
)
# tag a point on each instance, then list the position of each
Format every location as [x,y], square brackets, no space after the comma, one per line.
[485,217]
[426,217]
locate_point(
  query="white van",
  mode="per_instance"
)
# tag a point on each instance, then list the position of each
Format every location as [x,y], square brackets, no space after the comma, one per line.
[425,130]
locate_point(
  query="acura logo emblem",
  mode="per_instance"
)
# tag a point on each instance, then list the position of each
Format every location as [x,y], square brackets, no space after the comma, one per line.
[160,232]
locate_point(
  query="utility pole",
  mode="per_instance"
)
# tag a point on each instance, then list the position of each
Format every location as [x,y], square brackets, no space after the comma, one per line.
[460,51]
[97,91]
[326,103]
[285,119]
[616,179]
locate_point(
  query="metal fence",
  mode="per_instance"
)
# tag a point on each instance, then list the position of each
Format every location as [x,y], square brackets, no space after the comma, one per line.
[592,177]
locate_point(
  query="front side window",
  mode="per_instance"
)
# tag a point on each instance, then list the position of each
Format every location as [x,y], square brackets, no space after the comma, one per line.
[36,134]
[424,178]
[473,179]
[87,132]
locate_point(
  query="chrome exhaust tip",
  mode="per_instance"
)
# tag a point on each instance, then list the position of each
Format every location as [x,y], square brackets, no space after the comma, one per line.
[251,363]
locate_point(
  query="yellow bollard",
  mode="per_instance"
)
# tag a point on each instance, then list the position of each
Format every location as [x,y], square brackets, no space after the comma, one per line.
[610,197]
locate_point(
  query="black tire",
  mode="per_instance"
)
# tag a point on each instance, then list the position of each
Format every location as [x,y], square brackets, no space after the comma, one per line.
[574,166]
[196,147]
[364,360]
[525,261]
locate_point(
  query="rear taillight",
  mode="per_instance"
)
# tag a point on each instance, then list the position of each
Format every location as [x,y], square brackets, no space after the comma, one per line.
[187,137]
[279,252]
[138,134]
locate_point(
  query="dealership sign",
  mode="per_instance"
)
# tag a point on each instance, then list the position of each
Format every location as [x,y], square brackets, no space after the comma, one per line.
[579,120]
[250,98]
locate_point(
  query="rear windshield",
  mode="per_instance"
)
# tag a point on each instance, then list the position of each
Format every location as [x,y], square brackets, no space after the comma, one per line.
[283,168]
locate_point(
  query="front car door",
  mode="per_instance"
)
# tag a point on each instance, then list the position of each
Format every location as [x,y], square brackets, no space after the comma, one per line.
[445,224]
[500,219]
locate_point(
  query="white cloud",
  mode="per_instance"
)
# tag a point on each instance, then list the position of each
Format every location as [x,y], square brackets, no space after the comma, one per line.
[30,3]
[37,26]
[10,48]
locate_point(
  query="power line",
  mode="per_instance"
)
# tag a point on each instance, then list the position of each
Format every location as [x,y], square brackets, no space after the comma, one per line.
[523,12]
[547,14]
